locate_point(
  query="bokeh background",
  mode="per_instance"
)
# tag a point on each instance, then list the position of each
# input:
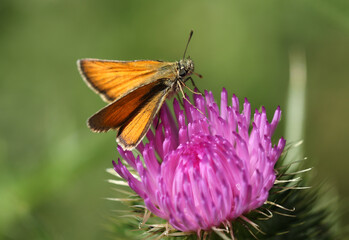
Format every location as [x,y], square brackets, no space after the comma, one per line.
[52,168]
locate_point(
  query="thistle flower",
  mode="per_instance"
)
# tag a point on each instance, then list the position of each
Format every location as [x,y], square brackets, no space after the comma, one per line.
[204,167]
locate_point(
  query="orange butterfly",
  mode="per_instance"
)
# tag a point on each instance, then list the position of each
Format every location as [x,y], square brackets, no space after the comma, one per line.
[135,90]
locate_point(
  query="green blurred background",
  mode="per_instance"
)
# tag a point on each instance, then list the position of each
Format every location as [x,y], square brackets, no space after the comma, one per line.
[52,168]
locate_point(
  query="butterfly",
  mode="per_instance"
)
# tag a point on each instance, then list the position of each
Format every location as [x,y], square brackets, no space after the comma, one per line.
[135,91]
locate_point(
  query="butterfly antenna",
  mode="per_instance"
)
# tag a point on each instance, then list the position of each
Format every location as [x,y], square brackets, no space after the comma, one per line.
[186,47]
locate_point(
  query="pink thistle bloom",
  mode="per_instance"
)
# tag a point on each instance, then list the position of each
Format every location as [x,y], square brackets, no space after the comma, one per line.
[201,171]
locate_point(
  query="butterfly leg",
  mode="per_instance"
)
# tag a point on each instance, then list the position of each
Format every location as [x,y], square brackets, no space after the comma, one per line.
[185,98]
[196,89]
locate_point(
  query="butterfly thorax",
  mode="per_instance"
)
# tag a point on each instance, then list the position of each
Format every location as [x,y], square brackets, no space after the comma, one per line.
[185,68]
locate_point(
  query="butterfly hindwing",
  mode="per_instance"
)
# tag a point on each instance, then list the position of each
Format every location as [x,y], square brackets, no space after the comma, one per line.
[120,111]
[132,132]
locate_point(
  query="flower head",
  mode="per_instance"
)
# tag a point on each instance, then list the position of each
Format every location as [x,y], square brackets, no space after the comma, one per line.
[207,165]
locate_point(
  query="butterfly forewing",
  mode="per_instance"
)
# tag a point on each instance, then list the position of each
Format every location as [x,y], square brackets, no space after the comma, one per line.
[114,79]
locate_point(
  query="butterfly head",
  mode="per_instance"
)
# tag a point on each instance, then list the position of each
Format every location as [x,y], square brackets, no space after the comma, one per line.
[185,67]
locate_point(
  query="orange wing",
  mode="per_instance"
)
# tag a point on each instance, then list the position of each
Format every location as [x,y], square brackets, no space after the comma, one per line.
[117,113]
[114,79]
[133,131]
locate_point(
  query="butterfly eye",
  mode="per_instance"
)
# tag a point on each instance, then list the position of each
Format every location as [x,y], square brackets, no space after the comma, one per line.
[182,72]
